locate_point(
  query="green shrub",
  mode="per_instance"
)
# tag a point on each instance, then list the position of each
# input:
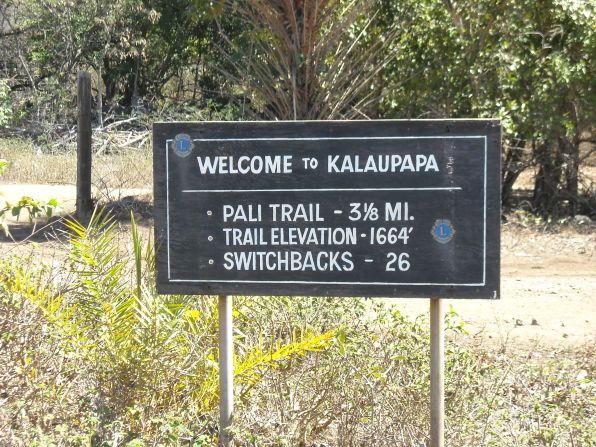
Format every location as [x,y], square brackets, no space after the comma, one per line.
[34,208]
[128,364]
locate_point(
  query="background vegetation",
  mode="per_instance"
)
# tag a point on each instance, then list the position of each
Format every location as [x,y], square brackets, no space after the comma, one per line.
[529,63]
[91,355]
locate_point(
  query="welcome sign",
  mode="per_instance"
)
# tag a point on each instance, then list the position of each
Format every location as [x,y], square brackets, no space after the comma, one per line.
[332,208]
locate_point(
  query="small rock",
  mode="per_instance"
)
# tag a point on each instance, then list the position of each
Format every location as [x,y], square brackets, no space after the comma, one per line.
[562,324]
[565,335]
[580,219]
[534,322]
[519,322]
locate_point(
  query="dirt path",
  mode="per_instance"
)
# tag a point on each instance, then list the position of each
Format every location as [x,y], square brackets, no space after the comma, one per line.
[548,283]
[548,291]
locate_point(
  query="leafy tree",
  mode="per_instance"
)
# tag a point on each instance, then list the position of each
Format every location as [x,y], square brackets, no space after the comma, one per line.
[529,63]
[138,48]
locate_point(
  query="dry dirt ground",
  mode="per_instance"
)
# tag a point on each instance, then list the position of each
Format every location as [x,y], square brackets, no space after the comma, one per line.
[548,281]
[548,291]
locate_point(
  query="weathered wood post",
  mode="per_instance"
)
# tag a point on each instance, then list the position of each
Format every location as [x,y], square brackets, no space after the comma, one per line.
[84,203]
[437,373]
[226,370]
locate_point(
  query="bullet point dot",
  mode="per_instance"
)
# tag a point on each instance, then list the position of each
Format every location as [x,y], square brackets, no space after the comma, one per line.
[210,238]
[209,213]
[210,261]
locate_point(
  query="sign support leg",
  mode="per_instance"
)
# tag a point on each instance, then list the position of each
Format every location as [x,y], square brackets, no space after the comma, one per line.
[437,373]
[226,370]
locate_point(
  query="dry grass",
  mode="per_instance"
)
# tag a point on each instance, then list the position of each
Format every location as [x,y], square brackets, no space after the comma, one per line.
[27,164]
[126,169]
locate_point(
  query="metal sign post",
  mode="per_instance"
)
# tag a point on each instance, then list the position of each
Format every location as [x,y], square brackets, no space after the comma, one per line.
[437,373]
[226,370]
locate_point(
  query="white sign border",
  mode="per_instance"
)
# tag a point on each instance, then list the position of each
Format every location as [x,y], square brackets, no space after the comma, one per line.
[170,279]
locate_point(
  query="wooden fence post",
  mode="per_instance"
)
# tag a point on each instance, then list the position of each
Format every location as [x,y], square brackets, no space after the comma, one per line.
[84,203]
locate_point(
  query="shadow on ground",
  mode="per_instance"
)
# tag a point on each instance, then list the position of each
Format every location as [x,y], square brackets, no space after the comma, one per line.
[56,231]
[53,231]
[121,209]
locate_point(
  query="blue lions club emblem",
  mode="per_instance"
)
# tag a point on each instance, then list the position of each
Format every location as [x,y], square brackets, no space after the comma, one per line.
[183,145]
[442,231]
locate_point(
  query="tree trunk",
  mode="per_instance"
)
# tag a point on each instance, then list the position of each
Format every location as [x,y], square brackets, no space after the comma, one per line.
[511,170]
[99,98]
[548,179]
[572,175]
[135,87]
[196,79]
[109,81]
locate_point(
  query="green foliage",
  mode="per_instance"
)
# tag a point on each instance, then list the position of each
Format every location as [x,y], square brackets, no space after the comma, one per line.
[34,208]
[138,51]
[528,63]
[139,358]
[92,356]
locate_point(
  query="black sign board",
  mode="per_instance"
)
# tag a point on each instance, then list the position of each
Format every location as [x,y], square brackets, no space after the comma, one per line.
[328,208]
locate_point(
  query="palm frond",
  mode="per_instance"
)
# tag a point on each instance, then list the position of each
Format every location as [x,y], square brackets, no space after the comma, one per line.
[30,284]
